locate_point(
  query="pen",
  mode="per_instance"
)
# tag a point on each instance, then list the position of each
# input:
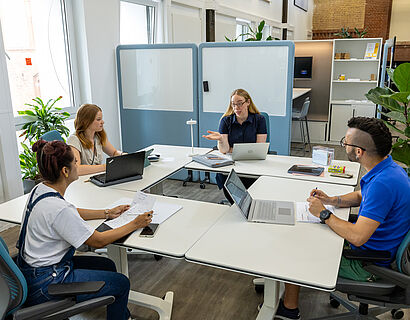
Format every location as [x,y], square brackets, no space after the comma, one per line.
[88,180]
[314,192]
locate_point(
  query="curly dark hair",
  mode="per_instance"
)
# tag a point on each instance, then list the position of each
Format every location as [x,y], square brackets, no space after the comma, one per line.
[52,157]
[378,131]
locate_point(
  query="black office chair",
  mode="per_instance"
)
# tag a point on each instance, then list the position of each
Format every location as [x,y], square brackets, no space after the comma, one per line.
[13,288]
[301,116]
[392,292]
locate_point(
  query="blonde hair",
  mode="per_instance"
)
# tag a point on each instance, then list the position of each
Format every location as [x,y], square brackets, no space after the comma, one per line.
[243,93]
[85,117]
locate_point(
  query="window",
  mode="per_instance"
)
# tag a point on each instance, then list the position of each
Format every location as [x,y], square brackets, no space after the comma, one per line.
[138,21]
[37,51]
[242,27]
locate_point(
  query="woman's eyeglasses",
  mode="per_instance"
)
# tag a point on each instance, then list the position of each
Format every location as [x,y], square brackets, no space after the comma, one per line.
[344,144]
[238,104]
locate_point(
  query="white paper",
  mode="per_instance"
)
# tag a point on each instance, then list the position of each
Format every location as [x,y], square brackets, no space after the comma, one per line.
[141,203]
[303,214]
[164,210]
[120,221]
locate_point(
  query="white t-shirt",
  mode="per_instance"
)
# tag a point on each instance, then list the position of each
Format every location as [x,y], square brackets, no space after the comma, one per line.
[88,156]
[53,226]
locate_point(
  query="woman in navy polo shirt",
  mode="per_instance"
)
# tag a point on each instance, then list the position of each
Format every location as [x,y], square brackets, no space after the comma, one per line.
[241,123]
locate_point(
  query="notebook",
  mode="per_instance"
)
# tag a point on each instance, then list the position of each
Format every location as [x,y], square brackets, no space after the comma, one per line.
[124,168]
[256,210]
[250,151]
[212,160]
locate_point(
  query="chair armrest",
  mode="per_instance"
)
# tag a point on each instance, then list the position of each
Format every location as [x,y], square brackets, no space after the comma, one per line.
[41,310]
[366,255]
[75,288]
[399,279]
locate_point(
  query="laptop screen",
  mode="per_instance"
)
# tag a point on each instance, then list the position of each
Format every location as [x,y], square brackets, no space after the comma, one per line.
[124,166]
[238,192]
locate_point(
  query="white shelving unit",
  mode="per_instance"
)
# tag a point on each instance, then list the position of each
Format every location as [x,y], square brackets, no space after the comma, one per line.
[347,98]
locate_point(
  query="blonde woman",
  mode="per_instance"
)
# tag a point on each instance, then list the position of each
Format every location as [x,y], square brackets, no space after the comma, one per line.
[90,140]
[241,123]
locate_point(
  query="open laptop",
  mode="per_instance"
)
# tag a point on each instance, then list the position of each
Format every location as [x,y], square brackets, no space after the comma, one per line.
[127,167]
[267,211]
[250,151]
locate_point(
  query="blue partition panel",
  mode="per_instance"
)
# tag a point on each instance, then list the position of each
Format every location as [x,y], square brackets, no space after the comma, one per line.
[264,69]
[157,87]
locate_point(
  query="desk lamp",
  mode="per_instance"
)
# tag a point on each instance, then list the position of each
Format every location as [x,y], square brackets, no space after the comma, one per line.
[191,123]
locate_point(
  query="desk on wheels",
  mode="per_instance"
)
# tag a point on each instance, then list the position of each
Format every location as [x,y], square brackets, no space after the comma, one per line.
[306,254]
[277,166]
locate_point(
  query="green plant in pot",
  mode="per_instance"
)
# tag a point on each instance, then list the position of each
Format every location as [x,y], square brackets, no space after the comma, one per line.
[398,110]
[253,35]
[40,118]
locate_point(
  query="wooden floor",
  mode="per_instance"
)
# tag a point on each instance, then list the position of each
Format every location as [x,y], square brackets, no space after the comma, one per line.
[201,292]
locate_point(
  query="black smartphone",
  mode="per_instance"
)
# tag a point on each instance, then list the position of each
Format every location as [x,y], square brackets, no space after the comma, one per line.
[314,171]
[149,230]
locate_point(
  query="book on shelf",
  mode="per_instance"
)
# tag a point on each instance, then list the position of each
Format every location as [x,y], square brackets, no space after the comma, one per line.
[372,50]
[212,160]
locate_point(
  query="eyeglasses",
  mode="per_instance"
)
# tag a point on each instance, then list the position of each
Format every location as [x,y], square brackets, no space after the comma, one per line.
[238,104]
[344,144]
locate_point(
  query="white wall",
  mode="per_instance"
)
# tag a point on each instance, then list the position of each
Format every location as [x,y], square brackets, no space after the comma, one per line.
[10,175]
[300,21]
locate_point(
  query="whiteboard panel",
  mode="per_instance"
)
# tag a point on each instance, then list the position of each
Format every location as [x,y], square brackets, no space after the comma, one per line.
[262,71]
[157,79]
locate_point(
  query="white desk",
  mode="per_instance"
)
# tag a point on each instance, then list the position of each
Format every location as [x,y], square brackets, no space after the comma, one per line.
[305,254]
[172,159]
[298,92]
[277,166]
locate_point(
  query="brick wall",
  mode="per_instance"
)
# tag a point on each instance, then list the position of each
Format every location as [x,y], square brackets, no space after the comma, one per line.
[377,18]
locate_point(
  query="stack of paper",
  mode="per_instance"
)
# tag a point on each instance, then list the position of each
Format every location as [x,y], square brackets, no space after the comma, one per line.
[303,214]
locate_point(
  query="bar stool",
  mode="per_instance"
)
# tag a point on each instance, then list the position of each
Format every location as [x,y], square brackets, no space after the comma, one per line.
[301,116]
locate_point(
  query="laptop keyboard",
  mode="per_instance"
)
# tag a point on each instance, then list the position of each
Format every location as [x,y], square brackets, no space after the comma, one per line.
[100,177]
[265,210]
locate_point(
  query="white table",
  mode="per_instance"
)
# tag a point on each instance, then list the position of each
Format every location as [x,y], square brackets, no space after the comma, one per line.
[304,254]
[298,92]
[277,166]
[172,159]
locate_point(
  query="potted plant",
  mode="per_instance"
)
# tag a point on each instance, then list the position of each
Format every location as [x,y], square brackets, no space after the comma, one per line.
[397,104]
[254,35]
[41,118]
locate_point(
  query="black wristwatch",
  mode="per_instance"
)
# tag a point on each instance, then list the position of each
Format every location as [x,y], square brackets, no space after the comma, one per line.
[324,215]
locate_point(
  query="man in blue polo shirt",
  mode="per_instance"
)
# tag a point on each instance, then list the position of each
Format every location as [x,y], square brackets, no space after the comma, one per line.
[384,200]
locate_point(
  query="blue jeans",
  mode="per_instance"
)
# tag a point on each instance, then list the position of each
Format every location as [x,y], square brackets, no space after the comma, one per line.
[80,269]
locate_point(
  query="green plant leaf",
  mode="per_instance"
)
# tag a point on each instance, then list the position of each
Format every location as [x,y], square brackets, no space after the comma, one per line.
[376,96]
[394,115]
[269,38]
[261,25]
[259,36]
[389,125]
[402,97]
[401,77]
[402,153]
[407,132]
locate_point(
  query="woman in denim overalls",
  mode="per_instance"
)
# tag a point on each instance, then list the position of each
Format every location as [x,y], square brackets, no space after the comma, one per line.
[42,221]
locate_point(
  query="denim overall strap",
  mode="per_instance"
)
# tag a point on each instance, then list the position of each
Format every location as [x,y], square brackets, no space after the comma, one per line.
[30,206]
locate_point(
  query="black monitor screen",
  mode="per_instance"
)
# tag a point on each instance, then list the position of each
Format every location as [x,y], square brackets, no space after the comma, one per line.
[303,67]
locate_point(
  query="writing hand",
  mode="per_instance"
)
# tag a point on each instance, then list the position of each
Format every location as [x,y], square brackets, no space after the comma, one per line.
[315,206]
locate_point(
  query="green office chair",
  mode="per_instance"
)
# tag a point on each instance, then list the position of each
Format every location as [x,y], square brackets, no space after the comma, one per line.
[13,288]
[391,292]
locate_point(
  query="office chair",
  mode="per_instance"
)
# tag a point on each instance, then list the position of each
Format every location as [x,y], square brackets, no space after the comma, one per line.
[301,116]
[13,288]
[391,292]
[52,135]
[266,116]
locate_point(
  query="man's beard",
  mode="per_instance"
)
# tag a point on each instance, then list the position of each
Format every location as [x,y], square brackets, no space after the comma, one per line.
[352,156]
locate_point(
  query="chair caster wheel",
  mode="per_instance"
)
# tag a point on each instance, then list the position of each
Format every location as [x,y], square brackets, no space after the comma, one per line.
[334,303]
[397,314]
[259,288]
[157,257]
[184,184]
[202,186]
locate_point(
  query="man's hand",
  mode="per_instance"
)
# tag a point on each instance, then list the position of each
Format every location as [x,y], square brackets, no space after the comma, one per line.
[315,206]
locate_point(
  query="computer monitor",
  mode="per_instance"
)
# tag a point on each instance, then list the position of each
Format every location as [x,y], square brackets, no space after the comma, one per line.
[303,68]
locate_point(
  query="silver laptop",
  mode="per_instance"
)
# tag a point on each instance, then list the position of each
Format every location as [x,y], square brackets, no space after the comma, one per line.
[266,211]
[250,151]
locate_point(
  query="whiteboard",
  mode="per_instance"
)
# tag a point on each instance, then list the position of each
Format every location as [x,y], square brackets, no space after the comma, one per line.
[260,70]
[157,79]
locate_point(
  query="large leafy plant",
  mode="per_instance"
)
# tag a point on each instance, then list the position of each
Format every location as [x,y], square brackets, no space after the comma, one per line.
[344,33]
[253,35]
[41,118]
[398,110]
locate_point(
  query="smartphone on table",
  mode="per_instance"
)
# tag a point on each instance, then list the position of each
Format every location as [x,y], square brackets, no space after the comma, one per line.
[149,230]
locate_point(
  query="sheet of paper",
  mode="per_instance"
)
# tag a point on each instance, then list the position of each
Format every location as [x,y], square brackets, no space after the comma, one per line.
[164,210]
[120,221]
[303,214]
[142,202]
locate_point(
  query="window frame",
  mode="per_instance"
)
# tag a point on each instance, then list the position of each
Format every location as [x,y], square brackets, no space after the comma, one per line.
[155,5]
[70,49]
[244,24]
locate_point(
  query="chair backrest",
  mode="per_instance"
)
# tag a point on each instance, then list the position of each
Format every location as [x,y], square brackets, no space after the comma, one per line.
[266,116]
[403,255]
[305,108]
[14,279]
[52,135]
